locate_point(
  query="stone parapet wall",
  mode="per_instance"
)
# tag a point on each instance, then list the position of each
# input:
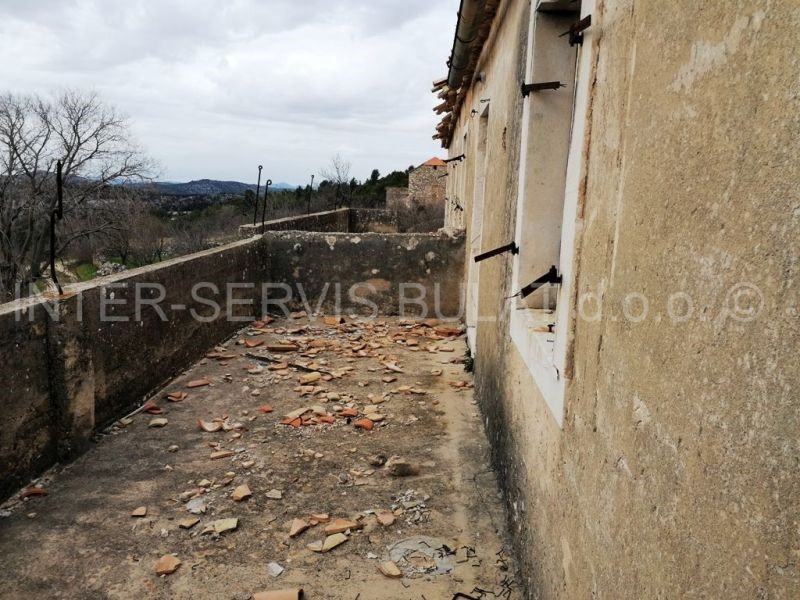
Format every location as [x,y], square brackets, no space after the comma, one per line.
[74,365]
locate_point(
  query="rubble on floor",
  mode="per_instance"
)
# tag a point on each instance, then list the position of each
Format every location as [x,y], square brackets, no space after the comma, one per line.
[339,456]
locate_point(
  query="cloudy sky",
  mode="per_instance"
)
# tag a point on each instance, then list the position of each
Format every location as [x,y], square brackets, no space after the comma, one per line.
[213,88]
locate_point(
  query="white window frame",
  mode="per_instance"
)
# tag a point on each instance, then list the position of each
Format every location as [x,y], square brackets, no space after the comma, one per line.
[474,241]
[545,354]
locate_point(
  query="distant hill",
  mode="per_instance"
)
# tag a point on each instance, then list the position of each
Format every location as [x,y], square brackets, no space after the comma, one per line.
[208,187]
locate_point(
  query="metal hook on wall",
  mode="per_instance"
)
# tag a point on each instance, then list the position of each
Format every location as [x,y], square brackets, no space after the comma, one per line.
[264,211]
[258,191]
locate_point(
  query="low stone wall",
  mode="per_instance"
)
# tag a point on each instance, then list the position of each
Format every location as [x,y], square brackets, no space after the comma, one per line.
[28,436]
[342,220]
[363,220]
[397,198]
[368,273]
[77,364]
[331,220]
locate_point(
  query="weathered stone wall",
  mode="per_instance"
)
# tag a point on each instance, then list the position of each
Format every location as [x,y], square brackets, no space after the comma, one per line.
[28,440]
[426,185]
[96,357]
[341,220]
[675,472]
[127,350]
[75,371]
[373,220]
[397,198]
[377,268]
[331,220]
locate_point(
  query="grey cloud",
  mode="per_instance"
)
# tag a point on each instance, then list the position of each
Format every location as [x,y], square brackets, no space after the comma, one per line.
[297,81]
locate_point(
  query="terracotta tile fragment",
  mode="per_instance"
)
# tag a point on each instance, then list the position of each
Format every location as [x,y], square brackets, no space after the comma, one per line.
[188,523]
[341,525]
[317,518]
[33,491]
[366,424]
[221,454]
[446,331]
[297,527]
[385,518]
[241,493]
[390,569]
[139,512]
[209,427]
[196,383]
[177,396]
[331,542]
[167,564]
[310,377]
[223,525]
[151,408]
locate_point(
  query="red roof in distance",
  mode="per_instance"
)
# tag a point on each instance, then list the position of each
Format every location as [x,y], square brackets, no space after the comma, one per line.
[433,162]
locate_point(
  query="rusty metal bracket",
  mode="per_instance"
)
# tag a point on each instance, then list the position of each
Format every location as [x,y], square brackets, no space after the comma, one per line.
[510,247]
[55,215]
[552,277]
[575,32]
[258,192]
[527,88]
[264,210]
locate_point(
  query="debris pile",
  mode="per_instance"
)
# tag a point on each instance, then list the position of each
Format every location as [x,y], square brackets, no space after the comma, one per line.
[288,444]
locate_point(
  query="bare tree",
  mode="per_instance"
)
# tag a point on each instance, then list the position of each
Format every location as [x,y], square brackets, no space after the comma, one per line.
[93,142]
[150,237]
[135,230]
[338,174]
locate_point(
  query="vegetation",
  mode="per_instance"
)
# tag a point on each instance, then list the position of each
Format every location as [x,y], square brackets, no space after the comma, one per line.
[86,271]
[112,211]
[93,143]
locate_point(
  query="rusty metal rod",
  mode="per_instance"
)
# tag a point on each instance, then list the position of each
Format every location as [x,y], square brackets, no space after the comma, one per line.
[58,213]
[264,210]
[258,190]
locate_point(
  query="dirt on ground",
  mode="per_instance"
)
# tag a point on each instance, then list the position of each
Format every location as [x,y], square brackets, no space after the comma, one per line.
[360,438]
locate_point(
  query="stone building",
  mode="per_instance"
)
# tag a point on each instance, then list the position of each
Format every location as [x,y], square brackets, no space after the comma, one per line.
[635,350]
[426,187]
[421,205]
[426,183]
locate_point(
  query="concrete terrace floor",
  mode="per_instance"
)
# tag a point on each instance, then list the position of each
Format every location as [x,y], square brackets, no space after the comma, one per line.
[81,540]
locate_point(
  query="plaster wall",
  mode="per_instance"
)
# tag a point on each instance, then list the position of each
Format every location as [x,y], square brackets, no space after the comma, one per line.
[675,471]
[368,273]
